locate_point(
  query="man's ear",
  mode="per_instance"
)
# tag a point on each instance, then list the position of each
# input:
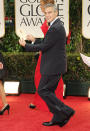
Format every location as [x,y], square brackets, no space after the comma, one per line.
[56,13]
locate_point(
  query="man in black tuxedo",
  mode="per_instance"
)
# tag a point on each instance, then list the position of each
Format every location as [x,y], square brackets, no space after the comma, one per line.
[53,65]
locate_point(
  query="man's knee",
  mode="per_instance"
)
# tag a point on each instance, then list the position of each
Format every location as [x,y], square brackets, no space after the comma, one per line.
[42,92]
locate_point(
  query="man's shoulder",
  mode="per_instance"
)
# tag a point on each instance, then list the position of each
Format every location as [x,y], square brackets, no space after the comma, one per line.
[57,26]
[57,23]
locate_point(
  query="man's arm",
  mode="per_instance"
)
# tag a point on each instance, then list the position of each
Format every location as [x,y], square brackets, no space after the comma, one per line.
[50,40]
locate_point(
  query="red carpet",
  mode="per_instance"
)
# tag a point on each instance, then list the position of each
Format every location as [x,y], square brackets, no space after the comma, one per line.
[21,118]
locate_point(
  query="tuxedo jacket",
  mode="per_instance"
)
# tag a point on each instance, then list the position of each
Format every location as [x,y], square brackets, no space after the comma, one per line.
[53,60]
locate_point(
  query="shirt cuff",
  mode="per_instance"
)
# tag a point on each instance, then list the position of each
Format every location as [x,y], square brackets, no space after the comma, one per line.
[32,43]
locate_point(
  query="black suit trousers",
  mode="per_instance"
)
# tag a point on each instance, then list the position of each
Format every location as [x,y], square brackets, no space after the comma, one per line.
[46,90]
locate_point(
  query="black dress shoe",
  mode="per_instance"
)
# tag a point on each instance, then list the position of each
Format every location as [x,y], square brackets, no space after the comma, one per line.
[32,106]
[71,114]
[66,120]
[51,123]
[61,124]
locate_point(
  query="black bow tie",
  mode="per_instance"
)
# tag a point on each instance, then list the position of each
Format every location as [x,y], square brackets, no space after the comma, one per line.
[48,23]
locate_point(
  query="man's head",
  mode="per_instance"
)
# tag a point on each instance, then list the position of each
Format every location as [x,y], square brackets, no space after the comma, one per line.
[50,12]
[44,2]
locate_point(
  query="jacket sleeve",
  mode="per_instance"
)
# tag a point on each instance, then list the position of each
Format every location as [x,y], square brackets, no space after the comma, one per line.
[49,41]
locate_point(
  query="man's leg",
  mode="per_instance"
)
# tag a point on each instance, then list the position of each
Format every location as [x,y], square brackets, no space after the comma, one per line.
[46,90]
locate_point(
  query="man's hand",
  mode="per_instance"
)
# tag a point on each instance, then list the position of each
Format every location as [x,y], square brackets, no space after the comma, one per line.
[22,42]
[1,65]
[30,37]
